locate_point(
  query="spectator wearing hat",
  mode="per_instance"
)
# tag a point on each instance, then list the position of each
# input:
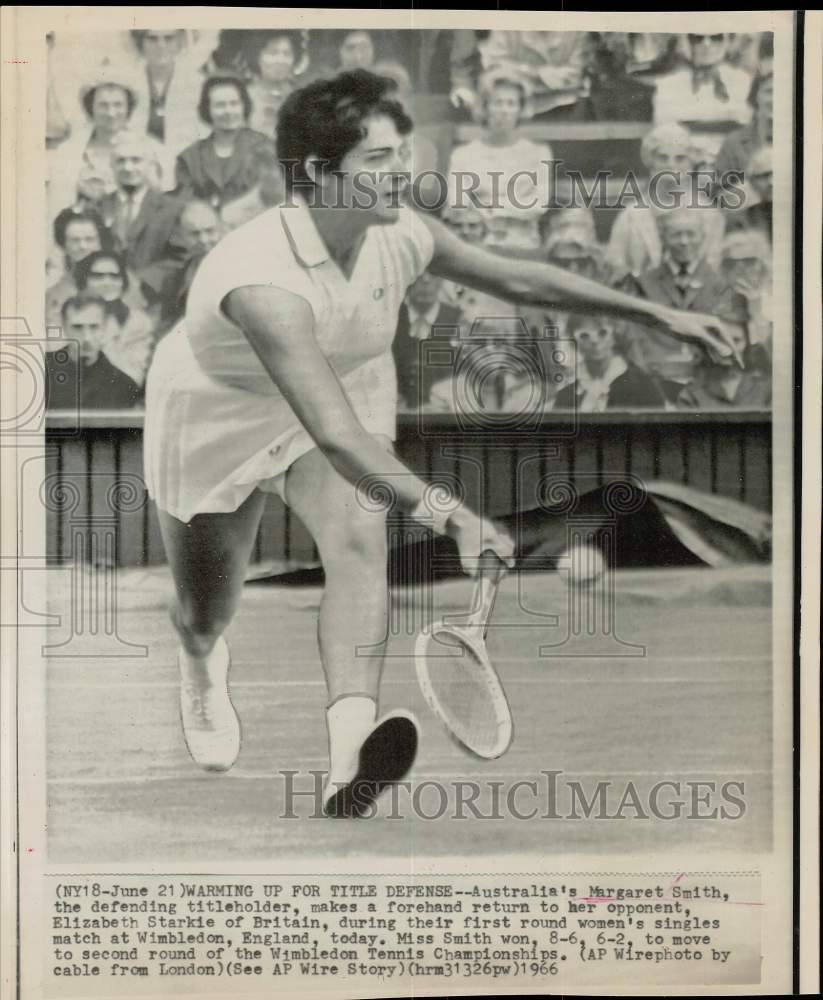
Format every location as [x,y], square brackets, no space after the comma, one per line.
[79,373]
[167,82]
[279,56]
[222,167]
[109,105]
[513,172]
[683,280]
[142,219]
[707,91]
[128,335]
[669,153]
[604,378]
[552,64]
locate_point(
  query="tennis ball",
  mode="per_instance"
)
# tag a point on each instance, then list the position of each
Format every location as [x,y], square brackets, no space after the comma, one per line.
[585,564]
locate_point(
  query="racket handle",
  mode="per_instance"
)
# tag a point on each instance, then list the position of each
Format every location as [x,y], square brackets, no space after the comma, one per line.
[490,573]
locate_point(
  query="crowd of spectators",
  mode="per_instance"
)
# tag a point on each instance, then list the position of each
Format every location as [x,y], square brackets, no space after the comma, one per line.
[161,141]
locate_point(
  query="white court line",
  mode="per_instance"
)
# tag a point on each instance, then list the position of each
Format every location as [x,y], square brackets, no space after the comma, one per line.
[402,682]
[730,658]
[521,775]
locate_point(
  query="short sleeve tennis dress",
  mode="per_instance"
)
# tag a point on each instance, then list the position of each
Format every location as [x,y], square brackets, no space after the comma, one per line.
[216,425]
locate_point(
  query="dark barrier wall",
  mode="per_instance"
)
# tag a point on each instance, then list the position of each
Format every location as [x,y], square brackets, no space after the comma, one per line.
[94,476]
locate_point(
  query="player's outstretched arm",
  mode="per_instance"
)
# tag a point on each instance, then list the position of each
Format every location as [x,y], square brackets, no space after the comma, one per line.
[280,328]
[529,282]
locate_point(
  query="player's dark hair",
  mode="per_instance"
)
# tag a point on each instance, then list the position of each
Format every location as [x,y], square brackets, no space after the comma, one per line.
[68,216]
[81,301]
[225,80]
[327,119]
[83,268]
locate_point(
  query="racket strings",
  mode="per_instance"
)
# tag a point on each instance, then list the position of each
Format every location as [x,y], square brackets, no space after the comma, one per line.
[466,692]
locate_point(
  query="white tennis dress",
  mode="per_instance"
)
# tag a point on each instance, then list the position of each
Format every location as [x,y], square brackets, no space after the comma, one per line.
[216,425]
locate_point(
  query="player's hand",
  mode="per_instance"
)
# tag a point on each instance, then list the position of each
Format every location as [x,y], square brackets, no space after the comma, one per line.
[475,535]
[708,332]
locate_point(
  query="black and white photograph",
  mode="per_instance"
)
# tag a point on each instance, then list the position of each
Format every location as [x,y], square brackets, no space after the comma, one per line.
[412,487]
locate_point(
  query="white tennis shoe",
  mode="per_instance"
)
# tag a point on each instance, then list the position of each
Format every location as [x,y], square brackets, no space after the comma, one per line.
[384,758]
[211,727]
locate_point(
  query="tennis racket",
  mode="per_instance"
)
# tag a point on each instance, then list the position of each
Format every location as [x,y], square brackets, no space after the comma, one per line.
[456,675]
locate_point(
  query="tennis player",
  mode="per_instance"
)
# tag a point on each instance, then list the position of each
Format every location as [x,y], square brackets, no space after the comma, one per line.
[280,378]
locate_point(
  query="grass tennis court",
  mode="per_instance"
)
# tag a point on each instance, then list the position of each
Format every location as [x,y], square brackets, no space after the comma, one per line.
[697,705]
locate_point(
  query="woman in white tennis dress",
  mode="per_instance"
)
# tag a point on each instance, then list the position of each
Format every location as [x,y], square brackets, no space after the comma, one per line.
[281,378]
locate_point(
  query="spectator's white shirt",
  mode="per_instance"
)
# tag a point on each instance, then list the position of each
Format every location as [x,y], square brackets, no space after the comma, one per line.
[677,101]
[420,324]
[182,124]
[594,390]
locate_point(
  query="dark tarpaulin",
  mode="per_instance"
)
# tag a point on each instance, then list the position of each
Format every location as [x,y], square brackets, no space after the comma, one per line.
[661,524]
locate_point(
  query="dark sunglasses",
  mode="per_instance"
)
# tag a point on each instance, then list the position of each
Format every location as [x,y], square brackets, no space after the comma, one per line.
[696,39]
[105,274]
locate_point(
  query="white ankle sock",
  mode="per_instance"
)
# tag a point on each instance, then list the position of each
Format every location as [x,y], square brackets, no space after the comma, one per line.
[349,720]
[196,669]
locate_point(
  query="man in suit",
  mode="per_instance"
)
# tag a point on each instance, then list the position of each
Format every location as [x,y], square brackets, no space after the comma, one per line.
[422,317]
[143,221]
[684,280]
[80,374]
